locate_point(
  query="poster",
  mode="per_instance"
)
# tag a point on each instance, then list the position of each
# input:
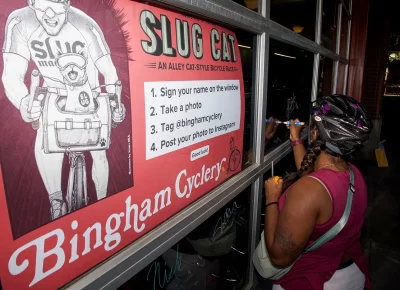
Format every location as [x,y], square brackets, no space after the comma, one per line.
[115,115]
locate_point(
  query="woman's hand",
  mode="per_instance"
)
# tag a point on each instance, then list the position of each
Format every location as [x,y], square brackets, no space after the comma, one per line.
[273,189]
[270,128]
[294,130]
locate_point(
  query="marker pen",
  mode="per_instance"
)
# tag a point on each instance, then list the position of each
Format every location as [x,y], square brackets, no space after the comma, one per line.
[286,122]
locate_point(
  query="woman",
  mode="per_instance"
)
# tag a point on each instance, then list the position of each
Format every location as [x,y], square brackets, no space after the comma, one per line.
[316,201]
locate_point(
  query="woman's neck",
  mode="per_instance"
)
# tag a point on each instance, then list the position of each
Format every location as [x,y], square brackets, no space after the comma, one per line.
[325,160]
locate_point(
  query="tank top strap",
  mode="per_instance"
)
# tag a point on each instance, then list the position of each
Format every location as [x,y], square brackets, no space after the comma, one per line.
[337,187]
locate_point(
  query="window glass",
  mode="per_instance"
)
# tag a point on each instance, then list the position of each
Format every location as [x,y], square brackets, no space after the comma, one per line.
[340,82]
[289,89]
[115,175]
[325,76]
[298,16]
[392,76]
[343,33]
[246,42]
[214,256]
[347,4]
[329,24]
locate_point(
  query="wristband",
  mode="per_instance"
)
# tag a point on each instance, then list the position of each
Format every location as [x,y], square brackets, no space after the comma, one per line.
[297,142]
[271,203]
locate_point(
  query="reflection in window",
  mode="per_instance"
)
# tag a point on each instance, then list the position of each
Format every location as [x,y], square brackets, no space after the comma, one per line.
[213,256]
[347,4]
[340,80]
[246,42]
[298,16]
[329,24]
[392,75]
[343,34]
[325,76]
[289,88]
[247,54]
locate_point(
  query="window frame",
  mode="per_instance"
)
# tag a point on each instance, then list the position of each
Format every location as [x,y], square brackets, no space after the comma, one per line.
[123,265]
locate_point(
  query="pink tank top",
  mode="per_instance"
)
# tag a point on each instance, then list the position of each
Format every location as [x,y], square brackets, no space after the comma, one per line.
[313,269]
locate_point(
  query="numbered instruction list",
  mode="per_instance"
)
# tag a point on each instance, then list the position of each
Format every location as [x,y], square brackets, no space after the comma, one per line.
[183,113]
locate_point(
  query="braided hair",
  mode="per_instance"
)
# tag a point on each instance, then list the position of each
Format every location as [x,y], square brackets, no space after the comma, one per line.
[313,151]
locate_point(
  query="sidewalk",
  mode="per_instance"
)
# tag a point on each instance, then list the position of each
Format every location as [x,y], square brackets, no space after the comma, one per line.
[381,232]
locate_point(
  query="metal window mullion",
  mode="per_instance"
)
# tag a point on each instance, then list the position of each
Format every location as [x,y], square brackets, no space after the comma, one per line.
[261,86]
[288,36]
[234,14]
[259,139]
[318,22]
[261,90]
[346,71]
[256,200]
[346,9]
[315,79]
[336,66]
[318,27]
[225,11]
[266,5]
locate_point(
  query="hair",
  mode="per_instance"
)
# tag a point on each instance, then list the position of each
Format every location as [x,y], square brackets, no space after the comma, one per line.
[313,151]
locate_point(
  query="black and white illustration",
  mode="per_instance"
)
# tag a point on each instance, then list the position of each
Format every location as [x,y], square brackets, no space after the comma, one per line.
[58,73]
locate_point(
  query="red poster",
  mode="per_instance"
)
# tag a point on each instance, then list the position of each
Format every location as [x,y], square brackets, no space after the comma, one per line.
[115,115]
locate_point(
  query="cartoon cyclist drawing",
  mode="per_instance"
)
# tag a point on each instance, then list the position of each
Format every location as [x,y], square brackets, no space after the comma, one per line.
[69,110]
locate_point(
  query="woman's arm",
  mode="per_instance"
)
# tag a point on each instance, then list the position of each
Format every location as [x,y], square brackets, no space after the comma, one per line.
[288,232]
[299,150]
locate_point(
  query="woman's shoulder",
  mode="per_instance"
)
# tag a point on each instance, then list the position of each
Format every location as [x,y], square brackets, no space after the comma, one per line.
[306,187]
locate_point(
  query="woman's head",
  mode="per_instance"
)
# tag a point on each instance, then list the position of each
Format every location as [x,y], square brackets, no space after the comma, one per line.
[340,123]
[339,126]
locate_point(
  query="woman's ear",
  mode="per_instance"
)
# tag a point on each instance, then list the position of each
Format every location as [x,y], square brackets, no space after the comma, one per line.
[315,134]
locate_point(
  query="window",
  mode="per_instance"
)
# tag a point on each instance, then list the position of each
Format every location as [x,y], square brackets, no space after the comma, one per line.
[347,4]
[214,251]
[325,76]
[289,87]
[215,255]
[329,24]
[247,55]
[343,33]
[298,16]
[340,81]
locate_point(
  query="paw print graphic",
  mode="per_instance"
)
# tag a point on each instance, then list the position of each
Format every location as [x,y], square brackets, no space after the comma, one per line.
[103,142]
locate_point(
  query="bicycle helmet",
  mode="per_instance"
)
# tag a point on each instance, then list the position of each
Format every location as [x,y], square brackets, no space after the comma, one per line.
[343,124]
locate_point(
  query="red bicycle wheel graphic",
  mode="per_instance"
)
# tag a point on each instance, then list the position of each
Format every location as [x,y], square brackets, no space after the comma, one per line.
[234,159]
